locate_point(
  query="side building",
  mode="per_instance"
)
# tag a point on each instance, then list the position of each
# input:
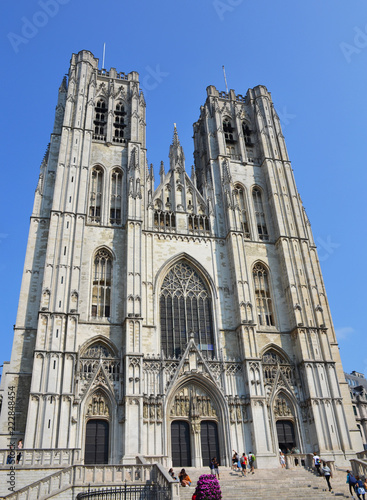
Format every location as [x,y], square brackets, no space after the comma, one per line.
[177,322]
[358,393]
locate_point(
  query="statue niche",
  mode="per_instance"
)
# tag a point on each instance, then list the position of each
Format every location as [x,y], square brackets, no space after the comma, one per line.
[192,402]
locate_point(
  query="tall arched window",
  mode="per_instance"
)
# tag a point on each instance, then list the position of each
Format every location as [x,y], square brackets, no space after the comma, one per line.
[100,120]
[118,123]
[264,306]
[228,130]
[95,195]
[247,135]
[116,196]
[185,308]
[101,287]
[241,204]
[260,215]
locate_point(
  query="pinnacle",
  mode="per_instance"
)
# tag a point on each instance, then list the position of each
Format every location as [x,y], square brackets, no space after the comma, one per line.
[63,87]
[176,140]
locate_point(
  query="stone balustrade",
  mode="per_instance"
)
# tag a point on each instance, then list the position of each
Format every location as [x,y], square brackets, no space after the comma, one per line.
[305,460]
[82,476]
[359,467]
[362,455]
[43,457]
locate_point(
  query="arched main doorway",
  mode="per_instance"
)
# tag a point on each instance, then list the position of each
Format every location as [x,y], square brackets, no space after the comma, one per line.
[96,442]
[286,435]
[180,444]
[209,441]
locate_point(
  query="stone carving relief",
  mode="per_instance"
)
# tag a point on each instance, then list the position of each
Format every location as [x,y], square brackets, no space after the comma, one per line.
[153,409]
[282,407]
[192,402]
[98,406]
[238,409]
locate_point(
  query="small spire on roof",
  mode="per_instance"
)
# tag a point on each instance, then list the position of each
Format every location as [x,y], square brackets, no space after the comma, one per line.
[64,86]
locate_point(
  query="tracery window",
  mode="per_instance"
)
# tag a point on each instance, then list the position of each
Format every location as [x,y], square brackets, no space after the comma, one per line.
[164,220]
[95,195]
[101,289]
[241,204]
[118,123]
[185,308]
[96,355]
[116,197]
[228,130]
[198,223]
[247,135]
[262,295]
[100,120]
[271,362]
[260,215]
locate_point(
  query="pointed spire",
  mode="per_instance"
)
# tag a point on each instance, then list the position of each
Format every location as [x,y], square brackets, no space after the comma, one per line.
[176,140]
[193,175]
[151,172]
[161,172]
[64,86]
[176,154]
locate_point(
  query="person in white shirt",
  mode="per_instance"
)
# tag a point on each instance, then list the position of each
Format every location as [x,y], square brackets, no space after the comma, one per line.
[327,473]
[317,462]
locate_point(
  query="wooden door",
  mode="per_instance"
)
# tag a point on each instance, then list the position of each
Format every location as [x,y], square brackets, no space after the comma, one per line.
[96,442]
[286,438]
[180,444]
[209,441]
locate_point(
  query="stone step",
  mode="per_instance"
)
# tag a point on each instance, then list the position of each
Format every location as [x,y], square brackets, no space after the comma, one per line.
[271,484]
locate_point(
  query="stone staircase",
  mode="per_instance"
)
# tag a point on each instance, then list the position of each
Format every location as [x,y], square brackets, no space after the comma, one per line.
[272,484]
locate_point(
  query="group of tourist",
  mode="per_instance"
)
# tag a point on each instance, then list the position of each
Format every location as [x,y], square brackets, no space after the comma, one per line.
[357,484]
[183,478]
[240,463]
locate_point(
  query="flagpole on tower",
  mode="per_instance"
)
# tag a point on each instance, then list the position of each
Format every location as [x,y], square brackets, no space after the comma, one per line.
[225,79]
[104,51]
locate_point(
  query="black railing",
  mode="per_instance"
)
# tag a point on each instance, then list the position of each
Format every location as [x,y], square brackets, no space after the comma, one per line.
[128,492]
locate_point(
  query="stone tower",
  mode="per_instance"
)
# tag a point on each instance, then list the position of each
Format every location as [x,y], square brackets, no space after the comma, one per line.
[179,322]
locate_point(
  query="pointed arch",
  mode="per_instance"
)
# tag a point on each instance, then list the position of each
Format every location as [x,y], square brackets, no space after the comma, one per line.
[119,121]
[100,118]
[240,199]
[257,198]
[116,198]
[185,308]
[99,340]
[101,283]
[263,295]
[283,356]
[96,188]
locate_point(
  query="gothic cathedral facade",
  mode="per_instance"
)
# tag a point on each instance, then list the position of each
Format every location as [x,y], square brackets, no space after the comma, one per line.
[177,322]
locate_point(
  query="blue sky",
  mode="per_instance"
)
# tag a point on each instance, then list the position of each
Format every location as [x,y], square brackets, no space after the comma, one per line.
[310,55]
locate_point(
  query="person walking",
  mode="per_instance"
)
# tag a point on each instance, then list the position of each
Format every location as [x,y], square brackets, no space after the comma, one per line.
[216,467]
[360,488]
[212,467]
[243,461]
[19,447]
[351,481]
[234,460]
[327,474]
[317,463]
[251,460]
[282,460]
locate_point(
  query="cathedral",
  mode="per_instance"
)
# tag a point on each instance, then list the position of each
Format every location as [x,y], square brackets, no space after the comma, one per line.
[177,318]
